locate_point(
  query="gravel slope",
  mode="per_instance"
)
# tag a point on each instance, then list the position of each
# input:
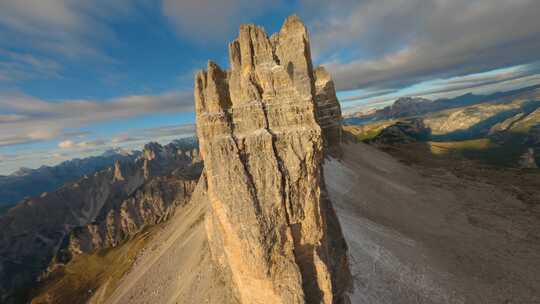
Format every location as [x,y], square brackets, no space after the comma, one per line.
[176,266]
[416,238]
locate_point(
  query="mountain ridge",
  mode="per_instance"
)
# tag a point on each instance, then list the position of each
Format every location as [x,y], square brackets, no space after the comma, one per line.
[27,182]
[93,213]
[413,106]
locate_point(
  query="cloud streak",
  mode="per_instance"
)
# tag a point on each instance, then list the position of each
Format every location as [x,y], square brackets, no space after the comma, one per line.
[393,44]
[23,66]
[30,119]
[62,27]
[204,21]
[162,133]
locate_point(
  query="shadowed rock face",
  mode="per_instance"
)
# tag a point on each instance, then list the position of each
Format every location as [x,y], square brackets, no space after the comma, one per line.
[328,108]
[271,229]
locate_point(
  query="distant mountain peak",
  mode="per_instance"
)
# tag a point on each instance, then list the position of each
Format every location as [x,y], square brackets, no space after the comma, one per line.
[22,171]
[117,151]
[410,100]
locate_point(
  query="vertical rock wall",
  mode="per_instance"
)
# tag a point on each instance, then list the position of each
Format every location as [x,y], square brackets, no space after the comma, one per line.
[270,228]
[328,108]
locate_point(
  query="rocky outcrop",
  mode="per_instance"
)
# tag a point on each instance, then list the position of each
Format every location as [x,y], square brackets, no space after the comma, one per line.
[328,108]
[271,229]
[403,132]
[114,203]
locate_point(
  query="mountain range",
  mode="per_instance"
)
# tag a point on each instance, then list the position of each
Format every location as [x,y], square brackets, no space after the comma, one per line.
[414,106]
[30,182]
[95,212]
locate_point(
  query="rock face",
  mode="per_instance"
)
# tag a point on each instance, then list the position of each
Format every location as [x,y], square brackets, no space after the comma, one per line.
[328,108]
[271,228]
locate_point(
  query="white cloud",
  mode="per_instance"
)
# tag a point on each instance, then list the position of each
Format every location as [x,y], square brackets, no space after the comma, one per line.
[11,118]
[91,144]
[45,120]
[207,20]
[25,134]
[69,144]
[61,26]
[380,44]
[66,144]
[20,66]
[4,157]
[160,134]
[122,138]
[174,130]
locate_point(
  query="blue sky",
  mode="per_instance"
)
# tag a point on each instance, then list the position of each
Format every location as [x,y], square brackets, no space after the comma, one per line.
[80,77]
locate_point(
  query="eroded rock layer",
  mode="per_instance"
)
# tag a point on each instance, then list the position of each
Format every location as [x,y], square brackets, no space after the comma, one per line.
[270,228]
[328,108]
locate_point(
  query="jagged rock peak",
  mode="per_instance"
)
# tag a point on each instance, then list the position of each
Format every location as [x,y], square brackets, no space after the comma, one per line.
[117,176]
[152,150]
[271,228]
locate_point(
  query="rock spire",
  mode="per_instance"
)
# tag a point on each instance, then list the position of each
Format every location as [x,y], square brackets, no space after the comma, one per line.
[270,228]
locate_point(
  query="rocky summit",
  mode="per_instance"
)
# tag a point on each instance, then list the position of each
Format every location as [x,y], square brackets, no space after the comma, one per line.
[271,229]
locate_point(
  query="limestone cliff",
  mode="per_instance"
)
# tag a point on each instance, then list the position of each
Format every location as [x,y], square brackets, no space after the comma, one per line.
[328,108]
[270,229]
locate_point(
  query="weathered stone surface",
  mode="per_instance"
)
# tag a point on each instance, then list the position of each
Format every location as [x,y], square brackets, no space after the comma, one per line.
[328,107]
[270,227]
